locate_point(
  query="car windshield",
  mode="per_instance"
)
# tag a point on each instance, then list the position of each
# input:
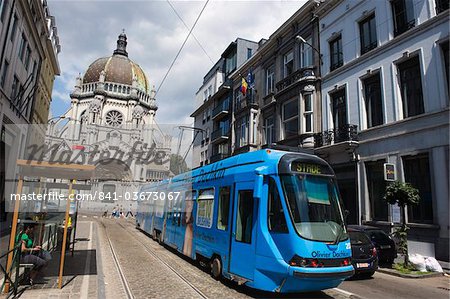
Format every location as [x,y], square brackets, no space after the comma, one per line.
[314,207]
[358,238]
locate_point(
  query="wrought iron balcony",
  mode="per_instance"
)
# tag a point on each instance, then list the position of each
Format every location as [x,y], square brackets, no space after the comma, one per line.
[341,134]
[219,135]
[246,102]
[218,157]
[221,110]
[297,76]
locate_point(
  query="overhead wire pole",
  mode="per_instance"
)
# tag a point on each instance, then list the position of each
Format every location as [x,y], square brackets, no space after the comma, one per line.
[187,27]
[182,46]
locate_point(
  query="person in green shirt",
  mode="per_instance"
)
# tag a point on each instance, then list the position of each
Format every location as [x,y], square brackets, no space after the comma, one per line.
[32,254]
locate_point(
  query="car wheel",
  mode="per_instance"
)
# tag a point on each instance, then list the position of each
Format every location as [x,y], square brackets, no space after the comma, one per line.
[369,274]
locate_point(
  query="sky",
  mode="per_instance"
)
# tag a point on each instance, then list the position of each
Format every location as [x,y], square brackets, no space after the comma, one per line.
[89,29]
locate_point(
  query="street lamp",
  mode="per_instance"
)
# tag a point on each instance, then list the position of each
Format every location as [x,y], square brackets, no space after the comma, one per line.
[301,40]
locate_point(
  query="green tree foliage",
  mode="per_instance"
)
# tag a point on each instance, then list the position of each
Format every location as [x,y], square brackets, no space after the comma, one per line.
[402,194]
[177,164]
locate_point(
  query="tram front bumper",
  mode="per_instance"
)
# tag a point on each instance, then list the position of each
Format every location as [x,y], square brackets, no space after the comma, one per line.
[328,273]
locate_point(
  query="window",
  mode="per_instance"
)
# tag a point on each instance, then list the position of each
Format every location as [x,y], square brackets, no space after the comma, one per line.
[230,64]
[23,45]
[372,99]
[114,118]
[376,188]
[15,88]
[249,53]
[244,219]
[14,28]
[288,64]
[403,15]
[417,173]
[307,113]
[306,54]
[336,55]
[276,219]
[210,91]
[339,109]
[368,34]
[27,58]
[3,6]
[290,118]
[205,95]
[441,5]
[224,208]
[269,130]
[242,131]
[445,54]
[237,99]
[4,74]
[205,204]
[411,87]
[270,79]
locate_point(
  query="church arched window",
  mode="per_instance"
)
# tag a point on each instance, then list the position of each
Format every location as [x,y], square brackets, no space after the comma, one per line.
[120,88]
[115,88]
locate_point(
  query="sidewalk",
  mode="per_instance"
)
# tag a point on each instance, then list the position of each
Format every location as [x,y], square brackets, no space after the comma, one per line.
[80,270]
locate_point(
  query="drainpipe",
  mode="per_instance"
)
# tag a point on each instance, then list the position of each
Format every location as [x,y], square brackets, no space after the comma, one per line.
[2,56]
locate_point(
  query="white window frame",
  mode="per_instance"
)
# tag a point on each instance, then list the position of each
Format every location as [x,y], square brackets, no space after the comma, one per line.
[308,112]
[306,54]
[296,116]
[269,130]
[270,79]
[288,58]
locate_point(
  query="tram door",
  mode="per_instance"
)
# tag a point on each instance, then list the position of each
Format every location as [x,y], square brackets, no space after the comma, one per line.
[243,239]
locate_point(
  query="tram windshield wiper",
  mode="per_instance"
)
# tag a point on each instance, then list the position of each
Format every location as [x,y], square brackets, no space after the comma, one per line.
[339,235]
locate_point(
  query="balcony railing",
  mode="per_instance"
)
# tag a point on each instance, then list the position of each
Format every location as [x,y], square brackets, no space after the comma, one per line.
[248,101]
[218,157]
[221,110]
[219,134]
[299,75]
[341,134]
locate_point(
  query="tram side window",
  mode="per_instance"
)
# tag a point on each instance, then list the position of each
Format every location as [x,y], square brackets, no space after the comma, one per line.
[205,205]
[224,208]
[244,216]
[276,219]
[186,217]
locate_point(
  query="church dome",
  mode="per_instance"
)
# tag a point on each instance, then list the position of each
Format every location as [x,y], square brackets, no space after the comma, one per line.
[117,68]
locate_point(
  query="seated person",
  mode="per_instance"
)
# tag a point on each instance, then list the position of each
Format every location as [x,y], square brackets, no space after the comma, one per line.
[32,255]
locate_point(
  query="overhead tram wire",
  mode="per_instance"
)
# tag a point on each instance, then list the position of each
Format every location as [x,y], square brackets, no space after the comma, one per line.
[182,46]
[187,27]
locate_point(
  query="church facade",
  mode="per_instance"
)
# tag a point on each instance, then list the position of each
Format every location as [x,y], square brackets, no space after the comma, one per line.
[111,124]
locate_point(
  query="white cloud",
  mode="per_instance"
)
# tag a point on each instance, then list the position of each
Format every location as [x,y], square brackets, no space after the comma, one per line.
[89,29]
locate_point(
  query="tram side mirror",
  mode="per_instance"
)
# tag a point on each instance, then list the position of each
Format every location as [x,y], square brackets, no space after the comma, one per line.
[257,191]
[259,180]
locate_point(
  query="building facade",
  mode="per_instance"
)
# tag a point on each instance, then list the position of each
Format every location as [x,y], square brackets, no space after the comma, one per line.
[28,38]
[213,116]
[385,99]
[282,104]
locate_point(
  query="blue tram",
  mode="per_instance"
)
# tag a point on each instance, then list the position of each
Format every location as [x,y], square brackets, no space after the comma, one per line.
[269,219]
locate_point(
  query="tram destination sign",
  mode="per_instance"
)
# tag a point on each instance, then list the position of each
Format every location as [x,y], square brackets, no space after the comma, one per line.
[310,168]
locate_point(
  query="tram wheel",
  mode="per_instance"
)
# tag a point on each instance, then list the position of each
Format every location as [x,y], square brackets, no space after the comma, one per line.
[216,268]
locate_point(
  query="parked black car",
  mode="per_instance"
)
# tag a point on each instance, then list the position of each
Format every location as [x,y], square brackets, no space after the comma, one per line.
[384,244]
[364,253]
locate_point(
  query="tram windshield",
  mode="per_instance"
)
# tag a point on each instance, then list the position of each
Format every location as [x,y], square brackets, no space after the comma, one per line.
[314,207]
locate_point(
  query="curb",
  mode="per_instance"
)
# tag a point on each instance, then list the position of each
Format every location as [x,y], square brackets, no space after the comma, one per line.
[414,276]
